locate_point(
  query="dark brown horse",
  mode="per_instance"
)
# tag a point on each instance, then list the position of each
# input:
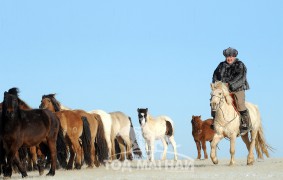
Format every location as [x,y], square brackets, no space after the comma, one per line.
[202,132]
[27,155]
[74,123]
[26,128]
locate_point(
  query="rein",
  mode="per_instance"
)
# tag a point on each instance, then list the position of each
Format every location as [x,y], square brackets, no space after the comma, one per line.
[227,121]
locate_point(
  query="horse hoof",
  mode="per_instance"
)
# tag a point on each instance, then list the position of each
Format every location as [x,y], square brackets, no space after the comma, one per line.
[78,166]
[250,163]
[50,174]
[24,175]
[215,161]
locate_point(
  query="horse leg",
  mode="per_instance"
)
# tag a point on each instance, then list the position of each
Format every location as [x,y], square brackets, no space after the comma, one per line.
[232,148]
[78,151]
[122,148]
[20,166]
[33,157]
[250,160]
[198,148]
[109,145]
[40,160]
[173,142]
[72,153]
[246,140]
[113,150]
[128,143]
[152,149]
[203,144]
[213,144]
[147,149]
[165,146]
[53,153]
[12,157]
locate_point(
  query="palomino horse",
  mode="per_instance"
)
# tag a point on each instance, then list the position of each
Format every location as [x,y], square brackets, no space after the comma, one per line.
[202,132]
[153,129]
[227,123]
[77,124]
[26,128]
[123,130]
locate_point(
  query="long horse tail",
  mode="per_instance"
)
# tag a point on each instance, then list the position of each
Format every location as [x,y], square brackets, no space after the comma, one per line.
[62,149]
[136,149]
[260,143]
[86,141]
[101,143]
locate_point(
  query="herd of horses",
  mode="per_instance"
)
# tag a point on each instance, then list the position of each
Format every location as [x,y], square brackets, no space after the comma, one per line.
[67,138]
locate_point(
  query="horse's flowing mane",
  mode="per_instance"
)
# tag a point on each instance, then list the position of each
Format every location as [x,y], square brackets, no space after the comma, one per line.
[15,91]
[56,104]
[224,88]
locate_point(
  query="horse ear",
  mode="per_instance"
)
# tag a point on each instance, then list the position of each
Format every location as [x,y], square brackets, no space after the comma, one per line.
[146,109]
[138,109]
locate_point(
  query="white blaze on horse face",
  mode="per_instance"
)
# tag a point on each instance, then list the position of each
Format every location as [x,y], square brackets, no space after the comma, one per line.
[142,119]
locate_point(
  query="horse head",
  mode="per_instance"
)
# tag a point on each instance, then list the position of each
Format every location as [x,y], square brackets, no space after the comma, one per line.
[220,94]
[196,123]
[142,114]
[49,102]
[11,103]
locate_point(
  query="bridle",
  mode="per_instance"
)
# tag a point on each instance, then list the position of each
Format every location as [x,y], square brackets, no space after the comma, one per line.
[219,104]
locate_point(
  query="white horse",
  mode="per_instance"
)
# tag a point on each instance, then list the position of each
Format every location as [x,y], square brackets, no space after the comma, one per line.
[107,124]
[227,123]
[153,129]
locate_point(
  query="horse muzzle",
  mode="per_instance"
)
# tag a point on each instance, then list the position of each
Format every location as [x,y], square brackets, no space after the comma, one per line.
[214,106]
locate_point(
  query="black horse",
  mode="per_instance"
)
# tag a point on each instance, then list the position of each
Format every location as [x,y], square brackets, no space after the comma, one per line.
[26,128]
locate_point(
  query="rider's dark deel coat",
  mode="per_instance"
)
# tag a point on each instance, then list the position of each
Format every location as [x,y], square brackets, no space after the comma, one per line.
[234,74]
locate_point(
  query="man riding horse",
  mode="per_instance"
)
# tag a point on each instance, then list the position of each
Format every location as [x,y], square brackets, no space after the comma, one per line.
[233,72]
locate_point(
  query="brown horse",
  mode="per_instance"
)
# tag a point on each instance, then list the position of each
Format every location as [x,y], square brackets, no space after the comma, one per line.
[31,154]
[26,128]
[202,132]
[77,124]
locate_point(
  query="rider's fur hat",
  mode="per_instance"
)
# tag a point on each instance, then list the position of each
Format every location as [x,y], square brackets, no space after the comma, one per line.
[230,52]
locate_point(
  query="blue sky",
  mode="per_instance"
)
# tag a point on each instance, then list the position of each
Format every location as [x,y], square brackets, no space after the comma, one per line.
[122,55]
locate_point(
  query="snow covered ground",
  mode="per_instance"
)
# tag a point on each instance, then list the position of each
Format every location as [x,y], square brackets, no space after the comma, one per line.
[270,168]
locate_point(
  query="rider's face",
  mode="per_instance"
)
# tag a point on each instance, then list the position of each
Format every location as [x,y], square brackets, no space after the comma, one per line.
[230,59]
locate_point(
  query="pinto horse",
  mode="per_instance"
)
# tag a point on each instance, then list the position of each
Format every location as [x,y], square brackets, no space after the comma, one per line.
[158,128]
[227,121]
[202,132]
[26,128]
[77,124]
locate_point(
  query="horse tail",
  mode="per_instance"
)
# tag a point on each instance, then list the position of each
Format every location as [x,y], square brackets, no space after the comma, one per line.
[86,140]
[260,143]
[61,147]
[101,144]
[169,128]
[136,149]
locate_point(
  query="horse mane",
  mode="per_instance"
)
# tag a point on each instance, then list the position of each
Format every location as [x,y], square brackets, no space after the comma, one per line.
[56,104]
[225,89]
[15,91]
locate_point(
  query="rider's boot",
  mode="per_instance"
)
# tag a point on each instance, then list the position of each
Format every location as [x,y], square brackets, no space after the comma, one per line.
[245,122]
